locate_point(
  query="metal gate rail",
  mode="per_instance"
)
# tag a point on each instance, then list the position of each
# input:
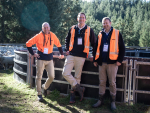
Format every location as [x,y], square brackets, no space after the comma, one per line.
[136,77]
[130,75]
[123,75]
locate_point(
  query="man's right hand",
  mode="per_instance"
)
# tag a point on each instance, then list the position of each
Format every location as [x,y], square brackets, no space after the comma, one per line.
[95,64]
[67,53]
[36,55]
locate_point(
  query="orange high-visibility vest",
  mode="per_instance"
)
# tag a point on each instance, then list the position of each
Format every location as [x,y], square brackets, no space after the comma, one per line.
[86,39]
[113,48]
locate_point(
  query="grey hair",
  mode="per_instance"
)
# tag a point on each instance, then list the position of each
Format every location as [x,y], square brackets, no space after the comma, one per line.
[44,24]
[105,18]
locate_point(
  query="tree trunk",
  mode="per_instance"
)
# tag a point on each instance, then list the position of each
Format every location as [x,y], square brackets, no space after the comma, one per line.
[2,22]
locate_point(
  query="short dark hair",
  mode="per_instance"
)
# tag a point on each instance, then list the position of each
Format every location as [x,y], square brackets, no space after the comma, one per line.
[80,14]
[106,18]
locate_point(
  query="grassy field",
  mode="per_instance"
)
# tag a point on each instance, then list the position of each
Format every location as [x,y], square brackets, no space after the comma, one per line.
[16,97]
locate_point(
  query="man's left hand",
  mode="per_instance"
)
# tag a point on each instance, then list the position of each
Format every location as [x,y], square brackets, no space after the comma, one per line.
[61,57]
[118,63]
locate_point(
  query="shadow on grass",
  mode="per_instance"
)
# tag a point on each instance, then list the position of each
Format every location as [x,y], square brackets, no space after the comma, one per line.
[14,101]
[6,92]
[60,110]
[86,105]
[6,72]
[6,109]
[78,107]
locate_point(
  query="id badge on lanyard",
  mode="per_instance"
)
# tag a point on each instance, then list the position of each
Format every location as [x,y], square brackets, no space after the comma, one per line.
[79,41]
[45,51]
[105,48]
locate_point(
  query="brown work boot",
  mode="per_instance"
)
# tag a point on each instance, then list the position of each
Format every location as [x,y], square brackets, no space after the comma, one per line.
[113,105]
[72,97]
[99,102]
[80,90]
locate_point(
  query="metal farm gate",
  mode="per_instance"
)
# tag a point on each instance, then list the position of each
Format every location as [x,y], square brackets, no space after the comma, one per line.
[132,80]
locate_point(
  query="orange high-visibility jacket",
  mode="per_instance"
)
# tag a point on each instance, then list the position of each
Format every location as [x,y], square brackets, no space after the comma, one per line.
[86,39]
[113,48]
[50,40]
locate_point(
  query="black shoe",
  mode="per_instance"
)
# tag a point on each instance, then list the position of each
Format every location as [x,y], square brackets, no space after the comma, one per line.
[44,92]
[40,98]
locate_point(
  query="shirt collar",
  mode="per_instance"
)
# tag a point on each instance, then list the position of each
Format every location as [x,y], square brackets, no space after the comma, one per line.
[108,32]
[82,27]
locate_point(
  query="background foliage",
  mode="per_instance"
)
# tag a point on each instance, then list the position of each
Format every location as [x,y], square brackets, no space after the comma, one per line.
[22,19]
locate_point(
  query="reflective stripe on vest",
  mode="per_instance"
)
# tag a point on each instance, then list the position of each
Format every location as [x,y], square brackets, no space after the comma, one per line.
[113,49]
[72,39]
[86,39]
[98,47]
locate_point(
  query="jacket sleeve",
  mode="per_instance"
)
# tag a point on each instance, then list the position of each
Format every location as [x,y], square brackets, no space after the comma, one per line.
[30,50]
[57,43]
[31,42]
[95,49]
[121,49]
[92,40]
[67,41]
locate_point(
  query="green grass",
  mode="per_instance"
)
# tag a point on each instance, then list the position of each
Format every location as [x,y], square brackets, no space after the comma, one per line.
[16,97]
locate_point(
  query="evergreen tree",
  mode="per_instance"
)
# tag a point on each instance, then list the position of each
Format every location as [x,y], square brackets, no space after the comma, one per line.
[27,17]
[131,17]
[145,37]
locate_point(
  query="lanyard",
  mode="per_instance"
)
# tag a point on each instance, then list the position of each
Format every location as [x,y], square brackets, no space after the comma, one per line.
[47,40]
